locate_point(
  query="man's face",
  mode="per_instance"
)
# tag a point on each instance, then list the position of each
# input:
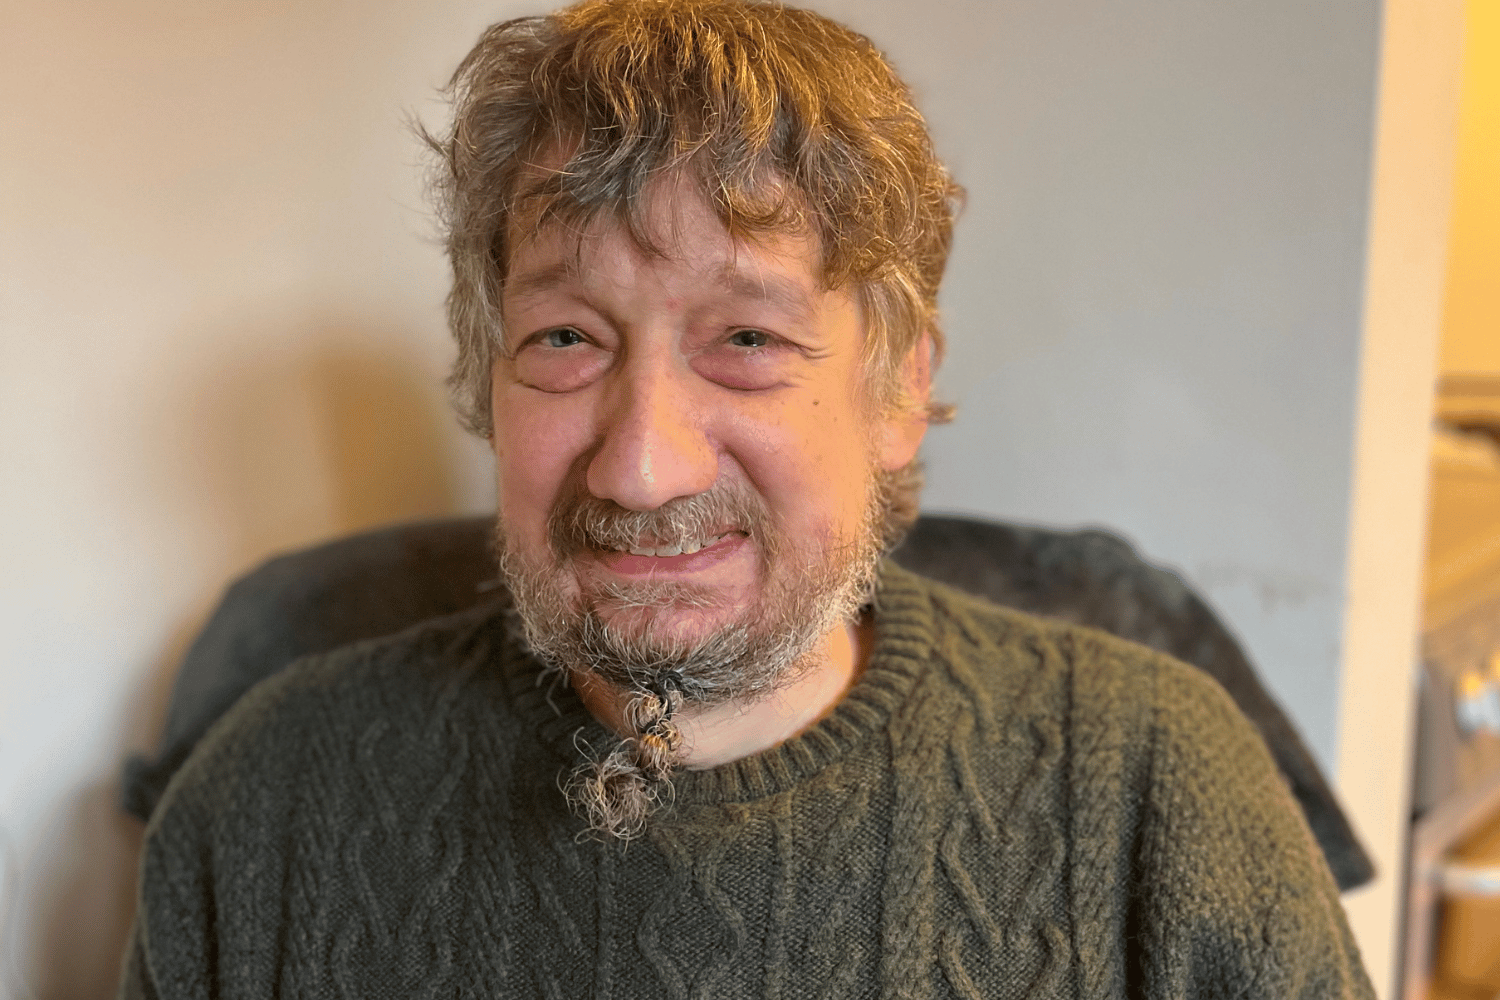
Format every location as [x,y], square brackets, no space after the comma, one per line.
[685,442]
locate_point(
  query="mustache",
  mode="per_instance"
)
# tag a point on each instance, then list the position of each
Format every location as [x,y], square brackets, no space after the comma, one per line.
[581,521]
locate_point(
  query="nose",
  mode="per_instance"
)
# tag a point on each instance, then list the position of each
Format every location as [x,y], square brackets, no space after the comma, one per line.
[654,447]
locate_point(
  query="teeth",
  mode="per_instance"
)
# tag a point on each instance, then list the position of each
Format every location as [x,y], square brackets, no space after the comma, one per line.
[677,549]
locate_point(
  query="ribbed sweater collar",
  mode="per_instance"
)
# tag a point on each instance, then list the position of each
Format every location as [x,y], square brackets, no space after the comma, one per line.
[903,644]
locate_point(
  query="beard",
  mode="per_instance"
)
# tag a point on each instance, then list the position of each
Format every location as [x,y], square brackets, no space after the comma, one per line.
[651,635]
[640,638]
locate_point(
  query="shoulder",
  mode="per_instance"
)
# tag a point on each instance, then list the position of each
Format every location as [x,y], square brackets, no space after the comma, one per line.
[1129,723]
[1101,675]
[1172,804]
[330,774]
[310,719]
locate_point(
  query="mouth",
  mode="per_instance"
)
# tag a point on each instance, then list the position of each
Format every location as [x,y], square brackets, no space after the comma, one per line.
[692,555]
[682,548]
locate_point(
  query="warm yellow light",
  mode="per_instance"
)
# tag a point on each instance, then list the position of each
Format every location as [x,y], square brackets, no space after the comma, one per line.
[1471,314]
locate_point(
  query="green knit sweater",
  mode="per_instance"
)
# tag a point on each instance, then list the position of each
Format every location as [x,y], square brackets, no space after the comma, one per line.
[1001,807]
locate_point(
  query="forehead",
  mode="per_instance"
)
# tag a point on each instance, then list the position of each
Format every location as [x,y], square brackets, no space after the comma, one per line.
[670,215]
[675,230]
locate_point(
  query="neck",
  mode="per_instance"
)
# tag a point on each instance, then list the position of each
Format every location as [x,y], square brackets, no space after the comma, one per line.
[728,732]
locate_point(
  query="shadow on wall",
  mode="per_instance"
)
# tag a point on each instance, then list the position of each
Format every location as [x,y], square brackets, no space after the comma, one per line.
[386,461]
[278,453]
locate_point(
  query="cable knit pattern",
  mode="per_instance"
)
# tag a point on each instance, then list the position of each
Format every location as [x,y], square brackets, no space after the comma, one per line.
[1001,807]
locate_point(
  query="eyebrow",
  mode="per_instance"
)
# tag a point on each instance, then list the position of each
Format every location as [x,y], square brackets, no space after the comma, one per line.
[540,279]
[789,296]
[781,293]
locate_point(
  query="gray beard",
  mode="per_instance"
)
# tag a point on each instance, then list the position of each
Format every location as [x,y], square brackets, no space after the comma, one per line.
[607,632]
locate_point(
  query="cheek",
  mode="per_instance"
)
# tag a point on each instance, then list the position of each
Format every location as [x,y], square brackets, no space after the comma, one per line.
[536,444]
[811,463]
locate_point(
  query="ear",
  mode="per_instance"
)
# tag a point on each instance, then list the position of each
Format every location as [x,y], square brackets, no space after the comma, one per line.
[902,431]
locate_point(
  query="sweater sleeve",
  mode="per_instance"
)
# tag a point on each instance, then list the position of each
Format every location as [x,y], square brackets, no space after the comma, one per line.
[172,947]
[1232,897]
[214,850]
[137,982]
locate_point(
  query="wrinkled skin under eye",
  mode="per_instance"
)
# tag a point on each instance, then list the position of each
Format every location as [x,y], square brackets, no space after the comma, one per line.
[559,360]
[748,360]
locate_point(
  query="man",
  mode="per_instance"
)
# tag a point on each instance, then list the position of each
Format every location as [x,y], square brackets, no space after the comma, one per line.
[710,744]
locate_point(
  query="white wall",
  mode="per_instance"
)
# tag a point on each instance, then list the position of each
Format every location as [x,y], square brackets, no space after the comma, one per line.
[220,303]
[1161,323]
[220,312]
[1155,300]
[1410,206]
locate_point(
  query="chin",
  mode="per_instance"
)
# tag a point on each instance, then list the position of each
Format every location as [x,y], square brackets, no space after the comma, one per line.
[664,612]
[668,628]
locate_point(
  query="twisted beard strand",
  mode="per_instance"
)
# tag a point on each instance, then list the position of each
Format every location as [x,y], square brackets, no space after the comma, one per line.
[609,632]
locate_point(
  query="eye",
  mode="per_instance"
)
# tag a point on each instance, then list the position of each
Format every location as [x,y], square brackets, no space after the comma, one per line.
[748,359]
[750,338]
[563,336]
[560,359]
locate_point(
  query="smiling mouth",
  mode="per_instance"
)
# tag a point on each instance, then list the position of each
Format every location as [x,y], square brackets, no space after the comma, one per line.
[683,548]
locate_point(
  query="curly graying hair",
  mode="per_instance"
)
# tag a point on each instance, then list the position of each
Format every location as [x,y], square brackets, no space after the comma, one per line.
[789,122]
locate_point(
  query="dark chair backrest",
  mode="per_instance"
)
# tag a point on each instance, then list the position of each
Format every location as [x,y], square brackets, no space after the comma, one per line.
[382,582]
